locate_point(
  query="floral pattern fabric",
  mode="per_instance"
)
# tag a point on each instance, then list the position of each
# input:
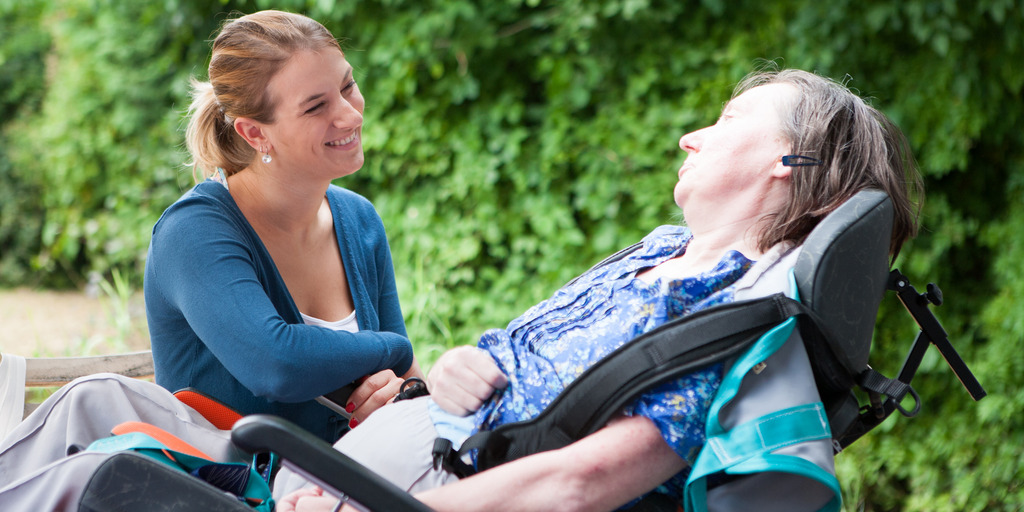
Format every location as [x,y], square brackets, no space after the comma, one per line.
[555,341]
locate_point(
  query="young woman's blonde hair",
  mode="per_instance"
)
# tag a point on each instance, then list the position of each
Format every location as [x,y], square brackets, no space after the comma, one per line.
[246,54]
[857,146]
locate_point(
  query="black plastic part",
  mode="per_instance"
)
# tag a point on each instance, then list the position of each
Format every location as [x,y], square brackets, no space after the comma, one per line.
[130,481]
[842,274]
[931,333]
[340,396]
[320,462]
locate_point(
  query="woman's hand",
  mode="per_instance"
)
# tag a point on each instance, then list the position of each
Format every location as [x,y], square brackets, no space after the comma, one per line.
[373,392]
[462,378]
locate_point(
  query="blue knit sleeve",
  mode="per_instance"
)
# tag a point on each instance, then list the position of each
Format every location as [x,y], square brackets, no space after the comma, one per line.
[391,318]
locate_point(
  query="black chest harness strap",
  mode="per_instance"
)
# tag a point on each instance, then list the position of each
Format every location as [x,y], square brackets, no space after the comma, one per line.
[670,351]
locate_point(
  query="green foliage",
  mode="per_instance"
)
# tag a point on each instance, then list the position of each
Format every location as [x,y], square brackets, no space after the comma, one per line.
[511,144]
[102,149]
[22,54]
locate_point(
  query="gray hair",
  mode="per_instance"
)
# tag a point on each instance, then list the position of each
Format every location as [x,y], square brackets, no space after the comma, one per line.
[858,147]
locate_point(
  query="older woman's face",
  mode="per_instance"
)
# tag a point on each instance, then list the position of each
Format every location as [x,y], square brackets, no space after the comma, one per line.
[735,159]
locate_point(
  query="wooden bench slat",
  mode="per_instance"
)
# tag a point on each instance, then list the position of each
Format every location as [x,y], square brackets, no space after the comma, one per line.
[57,371]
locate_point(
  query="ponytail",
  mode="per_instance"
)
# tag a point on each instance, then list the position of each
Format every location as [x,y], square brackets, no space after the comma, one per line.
[211,136]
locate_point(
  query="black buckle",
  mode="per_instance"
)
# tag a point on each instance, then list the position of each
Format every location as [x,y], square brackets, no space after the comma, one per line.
[412,387]
[446,457]
[442,450]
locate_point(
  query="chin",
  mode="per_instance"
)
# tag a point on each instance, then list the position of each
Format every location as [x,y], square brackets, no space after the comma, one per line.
[350,168]
[348,172]
[679,196]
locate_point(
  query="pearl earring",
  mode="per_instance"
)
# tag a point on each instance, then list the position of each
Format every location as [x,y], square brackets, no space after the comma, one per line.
[266,154]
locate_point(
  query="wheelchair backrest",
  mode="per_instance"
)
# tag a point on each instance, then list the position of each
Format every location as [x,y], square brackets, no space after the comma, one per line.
[842,273]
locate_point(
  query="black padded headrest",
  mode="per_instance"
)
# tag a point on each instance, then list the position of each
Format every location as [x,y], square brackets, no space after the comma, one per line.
[842,273]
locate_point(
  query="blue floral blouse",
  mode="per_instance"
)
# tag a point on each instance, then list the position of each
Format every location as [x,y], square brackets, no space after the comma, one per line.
[551,344]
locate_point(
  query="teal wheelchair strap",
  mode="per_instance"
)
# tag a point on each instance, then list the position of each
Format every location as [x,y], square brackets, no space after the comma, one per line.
[766,434]
[764,348]
[794,465]
[747,448]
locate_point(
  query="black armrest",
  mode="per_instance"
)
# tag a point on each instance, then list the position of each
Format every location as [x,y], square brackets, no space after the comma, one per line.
[318,461]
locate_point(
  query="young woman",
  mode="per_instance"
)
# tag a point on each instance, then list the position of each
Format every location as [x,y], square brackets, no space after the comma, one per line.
[266,286]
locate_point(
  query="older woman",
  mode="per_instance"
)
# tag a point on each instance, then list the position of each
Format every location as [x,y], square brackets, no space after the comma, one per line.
[788,149]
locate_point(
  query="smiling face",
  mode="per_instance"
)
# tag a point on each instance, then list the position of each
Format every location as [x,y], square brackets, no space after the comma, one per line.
[318,115]
[733,168]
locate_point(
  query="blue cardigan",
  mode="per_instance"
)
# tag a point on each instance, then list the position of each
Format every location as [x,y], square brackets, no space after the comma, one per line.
[222,321]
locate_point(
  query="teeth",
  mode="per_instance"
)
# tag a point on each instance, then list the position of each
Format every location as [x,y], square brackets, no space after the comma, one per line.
[342,142]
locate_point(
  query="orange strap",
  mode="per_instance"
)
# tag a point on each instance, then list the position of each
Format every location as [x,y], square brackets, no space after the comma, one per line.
[222,416]
[169,440]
